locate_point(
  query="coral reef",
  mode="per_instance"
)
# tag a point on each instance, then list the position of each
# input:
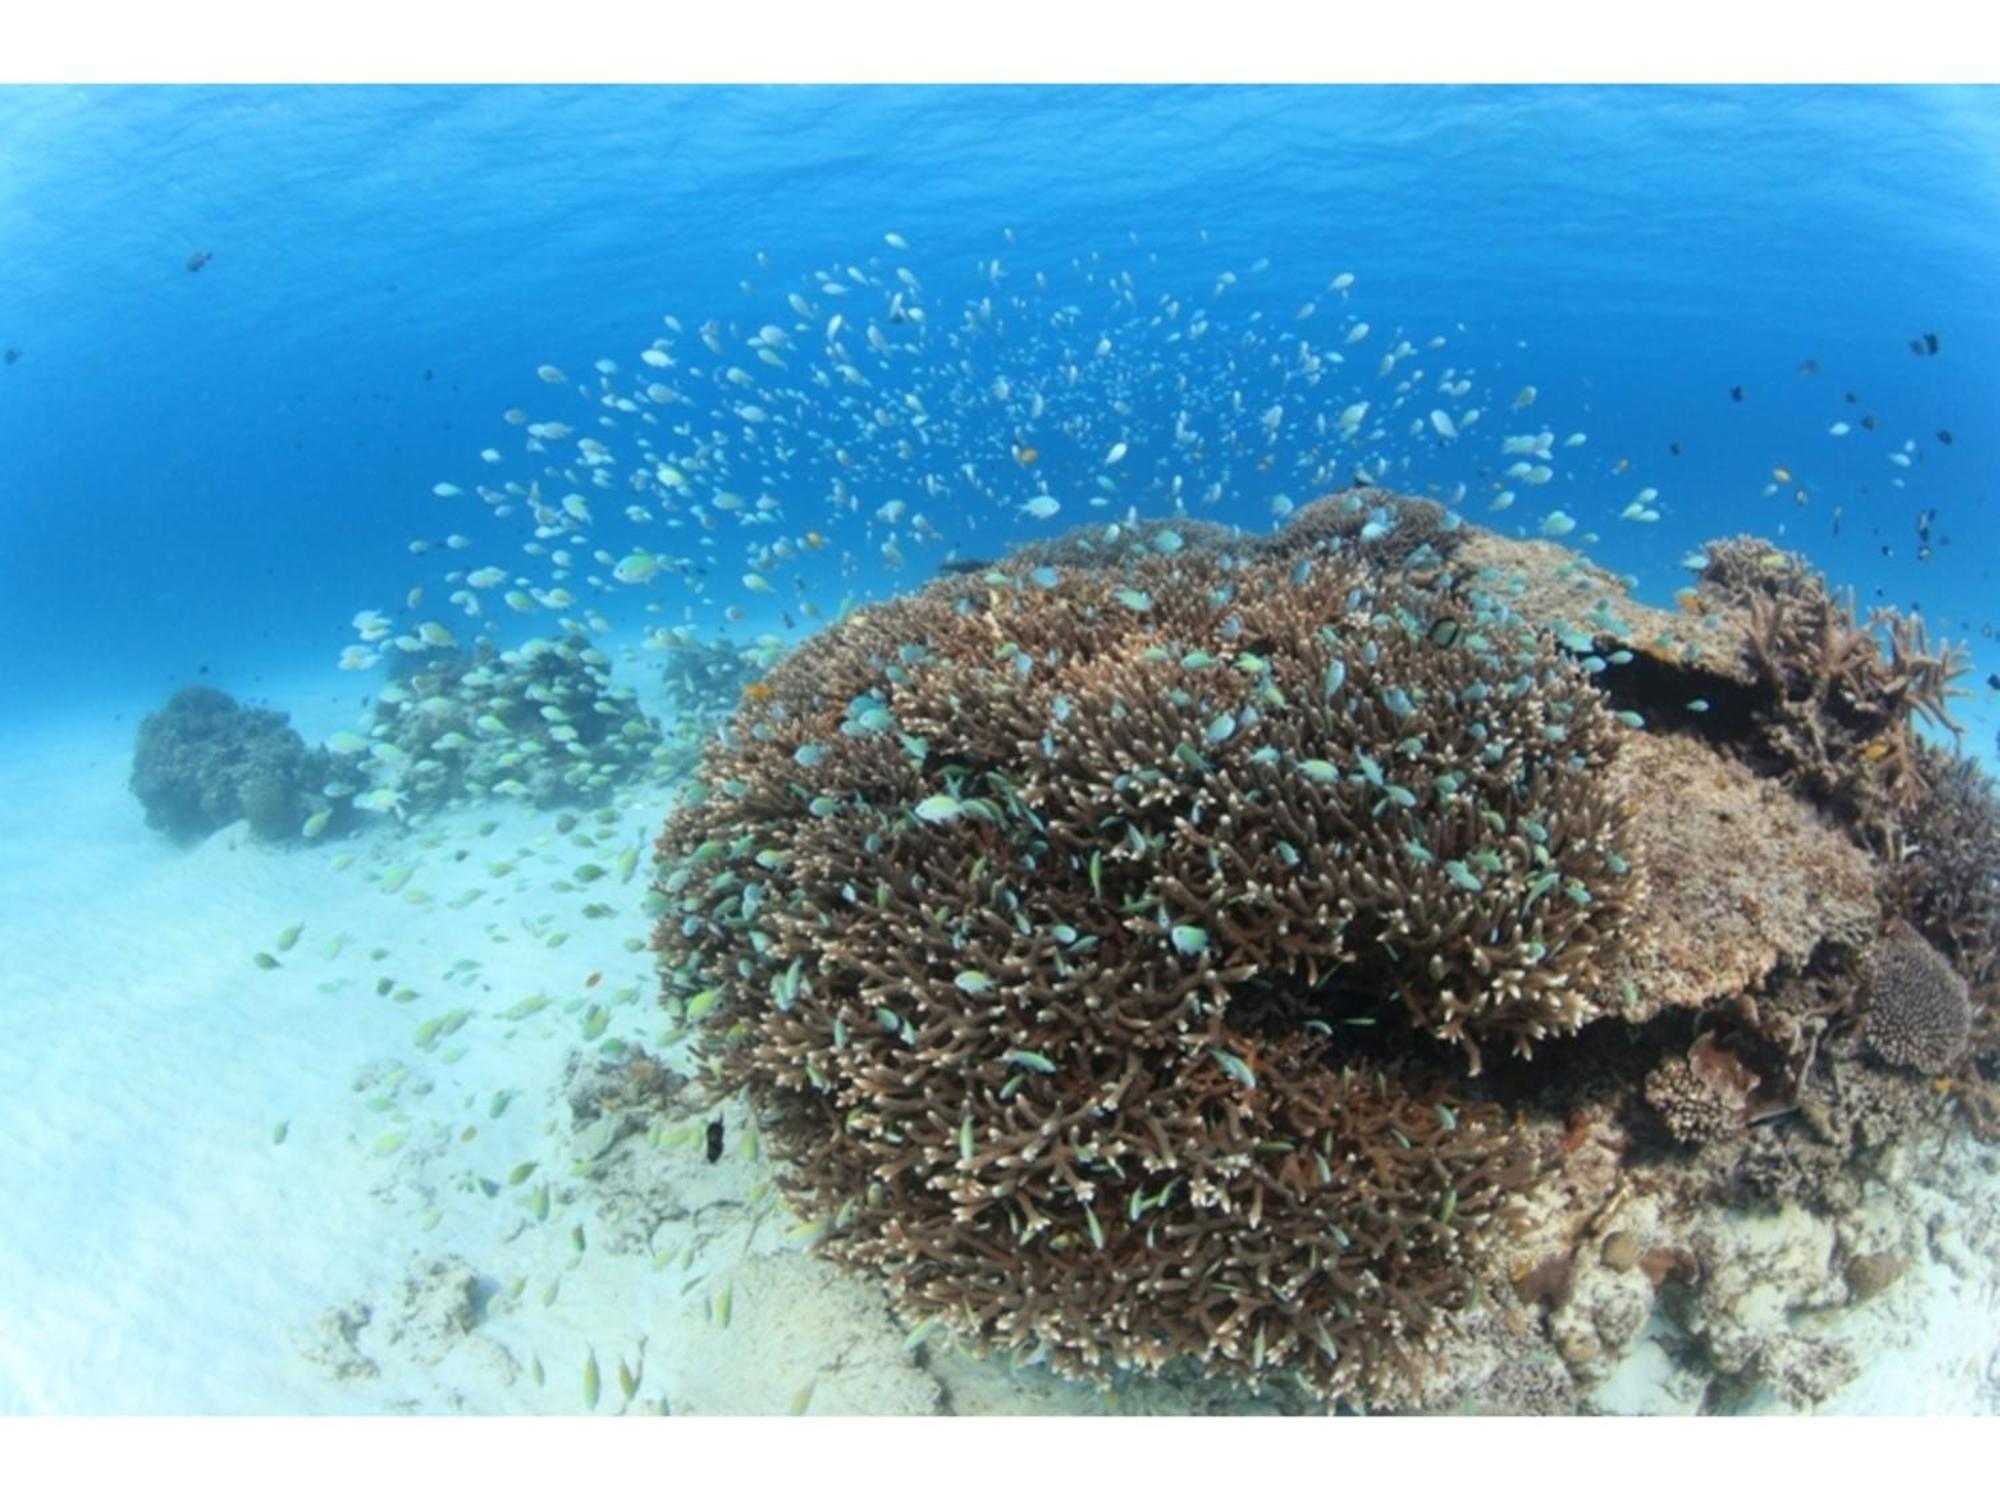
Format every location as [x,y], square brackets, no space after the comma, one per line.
[1028,915]
[1703,1096]
[1947,886]
[203,761]
[542,722]
[1146,952]
[706,677]
[1387,529]
[1743,877]
[1840,696]
[1917,1016]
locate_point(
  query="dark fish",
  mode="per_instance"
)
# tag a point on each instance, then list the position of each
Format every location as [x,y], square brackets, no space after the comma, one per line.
[1943,435]
[715,1139]
[964,565]
[199,259]
[1993,681]
[1809,367]
[1930,343]
[1675,449]
[1736,393]
[1916,346]
[1851,398]
[1869,421]
[12,355]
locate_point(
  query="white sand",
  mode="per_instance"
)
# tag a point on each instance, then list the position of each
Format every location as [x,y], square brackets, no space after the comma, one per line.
[161,1252]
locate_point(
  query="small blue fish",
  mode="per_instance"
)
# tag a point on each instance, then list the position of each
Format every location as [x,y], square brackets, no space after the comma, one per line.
[941,808]
[1021,1058]
[1234,1066]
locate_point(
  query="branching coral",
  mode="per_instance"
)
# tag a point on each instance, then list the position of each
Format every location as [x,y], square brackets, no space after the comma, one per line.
[1029,909]
[1947,884]
[1841,696]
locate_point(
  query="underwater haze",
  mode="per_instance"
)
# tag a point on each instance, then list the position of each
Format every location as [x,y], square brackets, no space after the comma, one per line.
[480,456]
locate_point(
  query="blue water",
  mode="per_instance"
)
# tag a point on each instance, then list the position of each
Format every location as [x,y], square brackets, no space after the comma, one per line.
[217,468]
[250,333]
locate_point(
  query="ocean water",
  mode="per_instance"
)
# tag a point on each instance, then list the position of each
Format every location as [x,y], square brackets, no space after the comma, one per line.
[261,349]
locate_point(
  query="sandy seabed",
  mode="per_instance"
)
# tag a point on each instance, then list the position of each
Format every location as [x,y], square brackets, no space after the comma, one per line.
[318,1188]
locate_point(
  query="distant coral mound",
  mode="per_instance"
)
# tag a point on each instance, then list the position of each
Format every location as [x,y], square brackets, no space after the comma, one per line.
[204,761]
[542,722]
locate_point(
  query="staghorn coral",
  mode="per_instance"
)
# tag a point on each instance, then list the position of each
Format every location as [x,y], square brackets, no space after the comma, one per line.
[204,760]
[1028,909]
[1918,1016]
[1840,697]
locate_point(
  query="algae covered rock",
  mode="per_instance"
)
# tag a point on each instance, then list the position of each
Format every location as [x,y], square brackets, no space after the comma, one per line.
[204,761]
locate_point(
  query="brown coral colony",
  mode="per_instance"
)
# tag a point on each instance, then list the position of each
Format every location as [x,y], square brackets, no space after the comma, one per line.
[1111,944]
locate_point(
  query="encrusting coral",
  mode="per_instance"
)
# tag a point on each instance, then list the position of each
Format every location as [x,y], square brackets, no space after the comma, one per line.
[1033,912]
